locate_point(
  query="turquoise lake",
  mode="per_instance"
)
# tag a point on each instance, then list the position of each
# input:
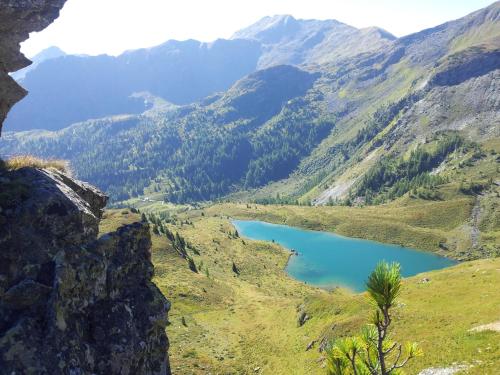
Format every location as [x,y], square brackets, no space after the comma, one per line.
[328,260]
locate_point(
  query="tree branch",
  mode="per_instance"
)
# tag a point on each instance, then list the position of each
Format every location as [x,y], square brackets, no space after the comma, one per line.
[394,366]
[391,348]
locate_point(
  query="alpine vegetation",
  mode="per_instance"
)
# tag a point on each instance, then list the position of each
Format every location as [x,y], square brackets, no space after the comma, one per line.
[373,351]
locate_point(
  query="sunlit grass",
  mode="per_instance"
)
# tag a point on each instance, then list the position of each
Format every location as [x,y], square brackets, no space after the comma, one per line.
[30,161]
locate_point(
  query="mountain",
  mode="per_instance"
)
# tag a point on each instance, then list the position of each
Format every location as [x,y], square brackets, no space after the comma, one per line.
[76,88]
[47,54]
[370,127]
[286,40]
[440,79]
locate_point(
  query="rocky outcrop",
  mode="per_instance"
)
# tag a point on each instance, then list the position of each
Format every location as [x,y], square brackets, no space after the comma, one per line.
[18,18]
[71,303]
[467,64]
[302,316]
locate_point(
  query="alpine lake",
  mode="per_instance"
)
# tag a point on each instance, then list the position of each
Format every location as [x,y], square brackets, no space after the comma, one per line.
[328,260]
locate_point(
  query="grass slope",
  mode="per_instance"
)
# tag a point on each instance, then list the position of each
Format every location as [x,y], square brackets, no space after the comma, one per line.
[248,323]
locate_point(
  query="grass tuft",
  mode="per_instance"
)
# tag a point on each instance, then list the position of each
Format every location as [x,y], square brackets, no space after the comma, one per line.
[23,161]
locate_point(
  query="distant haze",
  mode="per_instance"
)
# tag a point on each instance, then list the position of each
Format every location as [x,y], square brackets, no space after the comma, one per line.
[113,26]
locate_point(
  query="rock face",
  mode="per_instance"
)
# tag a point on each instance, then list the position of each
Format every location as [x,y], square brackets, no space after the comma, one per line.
[470,63]
[71,303]
[18,18]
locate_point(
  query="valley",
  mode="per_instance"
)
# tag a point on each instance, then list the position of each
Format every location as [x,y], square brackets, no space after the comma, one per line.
[223,322]
[295,130]
[306,125]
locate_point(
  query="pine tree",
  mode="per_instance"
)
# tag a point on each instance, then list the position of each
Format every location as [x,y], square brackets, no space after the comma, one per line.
[373,352]
[191,264]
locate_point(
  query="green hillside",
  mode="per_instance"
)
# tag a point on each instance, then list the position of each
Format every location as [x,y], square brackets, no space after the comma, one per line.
[313,124]
[223,322]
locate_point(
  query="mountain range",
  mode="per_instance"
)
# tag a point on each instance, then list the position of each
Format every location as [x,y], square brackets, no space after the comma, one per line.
[75,88]
[286,110]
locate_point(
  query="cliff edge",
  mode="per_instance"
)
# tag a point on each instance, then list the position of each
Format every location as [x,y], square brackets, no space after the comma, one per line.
[18,18]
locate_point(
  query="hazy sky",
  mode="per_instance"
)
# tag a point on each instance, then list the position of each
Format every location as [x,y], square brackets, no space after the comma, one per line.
[113,26]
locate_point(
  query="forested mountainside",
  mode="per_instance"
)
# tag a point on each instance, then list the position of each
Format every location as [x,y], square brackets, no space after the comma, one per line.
[197,152]
[418,104]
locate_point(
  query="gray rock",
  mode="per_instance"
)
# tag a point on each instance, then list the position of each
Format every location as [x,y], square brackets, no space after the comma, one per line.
[70,302]
[310,345]
[444,370]
[302,318]
[25,294]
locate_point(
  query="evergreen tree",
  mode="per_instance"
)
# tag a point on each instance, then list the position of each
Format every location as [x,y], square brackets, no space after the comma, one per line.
[373,352]
[191,264]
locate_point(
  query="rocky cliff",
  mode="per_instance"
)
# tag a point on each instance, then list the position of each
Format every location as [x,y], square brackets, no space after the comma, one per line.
[70,302]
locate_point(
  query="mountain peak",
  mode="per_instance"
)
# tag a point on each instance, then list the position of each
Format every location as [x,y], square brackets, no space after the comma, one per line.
[269,29]
[379,31]
[49,52]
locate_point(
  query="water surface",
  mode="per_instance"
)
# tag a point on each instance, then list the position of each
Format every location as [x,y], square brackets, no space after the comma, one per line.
[327,260]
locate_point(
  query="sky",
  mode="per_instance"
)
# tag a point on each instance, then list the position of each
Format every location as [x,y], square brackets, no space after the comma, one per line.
[113,26]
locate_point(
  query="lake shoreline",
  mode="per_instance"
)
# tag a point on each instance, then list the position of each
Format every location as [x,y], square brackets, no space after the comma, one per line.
[328,260]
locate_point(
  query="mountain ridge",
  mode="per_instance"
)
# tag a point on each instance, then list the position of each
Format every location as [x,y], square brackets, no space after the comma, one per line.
[106,83]
[180,72]
[49,53]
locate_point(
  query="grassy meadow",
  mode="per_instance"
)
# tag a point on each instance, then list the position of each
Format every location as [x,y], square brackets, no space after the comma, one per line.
[247,323]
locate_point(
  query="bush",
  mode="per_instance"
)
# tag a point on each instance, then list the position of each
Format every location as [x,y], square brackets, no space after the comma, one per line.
[471,188]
